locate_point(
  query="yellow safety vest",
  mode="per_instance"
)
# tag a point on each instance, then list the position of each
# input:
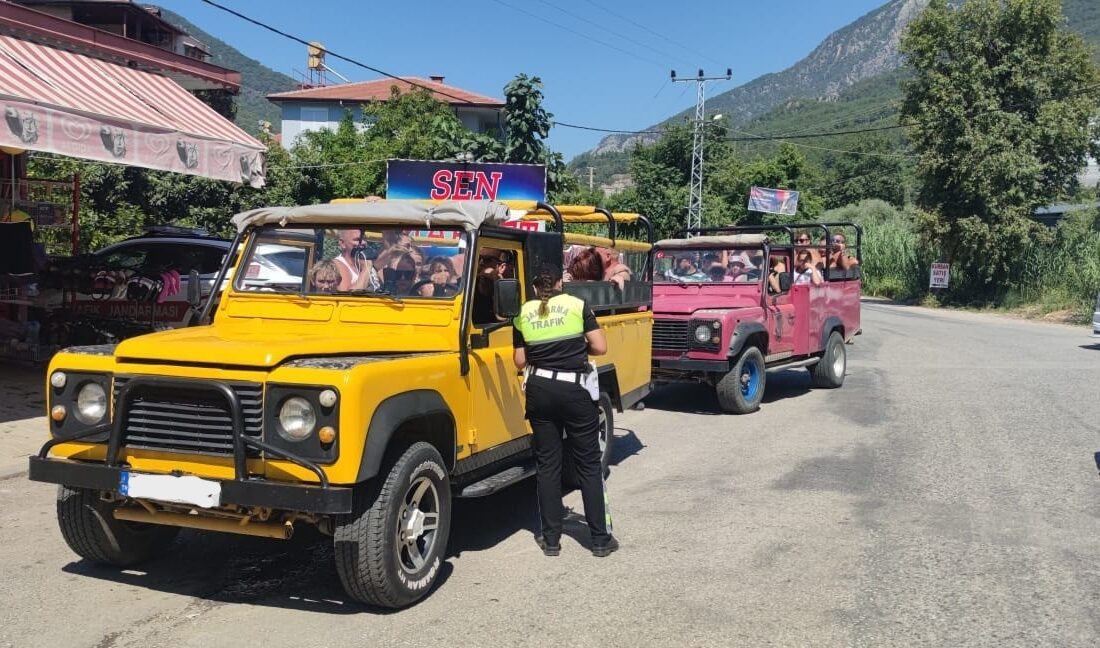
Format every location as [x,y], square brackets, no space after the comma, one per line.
[564,321]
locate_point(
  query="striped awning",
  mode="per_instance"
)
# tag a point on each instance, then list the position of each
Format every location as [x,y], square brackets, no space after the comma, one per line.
[61,102]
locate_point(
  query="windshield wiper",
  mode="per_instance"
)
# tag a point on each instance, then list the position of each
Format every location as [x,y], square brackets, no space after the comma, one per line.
[275,288]
[362,292]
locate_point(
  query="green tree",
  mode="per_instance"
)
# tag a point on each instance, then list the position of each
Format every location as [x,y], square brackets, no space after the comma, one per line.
[872,171]
[1002,104]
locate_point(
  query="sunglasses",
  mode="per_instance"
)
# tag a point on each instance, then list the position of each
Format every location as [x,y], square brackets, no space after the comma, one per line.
[803,240]
[400,275]
[487,261]
[326,282]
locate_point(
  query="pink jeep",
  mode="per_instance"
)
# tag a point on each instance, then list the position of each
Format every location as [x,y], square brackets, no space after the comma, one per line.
[730,303]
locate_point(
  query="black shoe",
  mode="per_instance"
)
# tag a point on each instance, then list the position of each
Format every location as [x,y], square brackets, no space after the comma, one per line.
[606,548]
[548,548]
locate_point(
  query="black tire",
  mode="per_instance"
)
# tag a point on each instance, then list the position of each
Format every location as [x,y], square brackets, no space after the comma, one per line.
[828,373]
[375,564]
[607,433]
[741,390]
[90,529]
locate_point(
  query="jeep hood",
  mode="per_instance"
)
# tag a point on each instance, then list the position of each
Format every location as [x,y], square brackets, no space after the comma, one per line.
[210,345]
[687,304]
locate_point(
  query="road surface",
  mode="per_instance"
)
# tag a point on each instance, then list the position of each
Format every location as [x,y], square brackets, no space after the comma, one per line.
[947,495]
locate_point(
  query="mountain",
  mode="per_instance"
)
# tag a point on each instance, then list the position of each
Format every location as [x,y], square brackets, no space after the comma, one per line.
[860,50]
[257,80]
[856,61]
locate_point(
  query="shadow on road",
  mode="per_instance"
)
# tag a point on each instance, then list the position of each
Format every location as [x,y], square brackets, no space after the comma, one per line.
[300,573]
[1091,347]
[690,398]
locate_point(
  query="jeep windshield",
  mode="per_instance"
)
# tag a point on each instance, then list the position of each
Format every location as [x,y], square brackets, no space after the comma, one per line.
[708,265]
[355,261]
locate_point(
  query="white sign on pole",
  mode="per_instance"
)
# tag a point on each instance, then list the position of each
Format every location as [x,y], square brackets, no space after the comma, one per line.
[941,272]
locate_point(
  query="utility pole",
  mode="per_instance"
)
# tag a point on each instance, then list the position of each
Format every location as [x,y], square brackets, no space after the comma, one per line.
[591,177]
[695,195]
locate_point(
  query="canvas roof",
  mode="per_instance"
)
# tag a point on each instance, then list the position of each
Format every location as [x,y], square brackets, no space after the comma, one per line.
[723,241]
[467,214]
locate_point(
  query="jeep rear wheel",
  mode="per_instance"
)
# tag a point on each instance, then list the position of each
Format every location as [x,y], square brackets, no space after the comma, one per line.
[390,548]
[741,390]
[828,372]
[89,527]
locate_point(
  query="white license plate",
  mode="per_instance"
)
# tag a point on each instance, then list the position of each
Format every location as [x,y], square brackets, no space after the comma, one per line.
[186,489]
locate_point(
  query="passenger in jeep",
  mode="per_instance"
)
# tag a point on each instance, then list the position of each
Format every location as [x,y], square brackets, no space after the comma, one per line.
[587,265]
[492,264]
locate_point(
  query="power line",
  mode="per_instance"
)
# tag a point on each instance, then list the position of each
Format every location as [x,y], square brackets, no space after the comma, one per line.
[749,137]
[657,34]
[329,52]
[608,30]
[586,37]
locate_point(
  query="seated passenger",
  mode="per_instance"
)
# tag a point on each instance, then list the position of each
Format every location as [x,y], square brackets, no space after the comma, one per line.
[614,270]
[841,258]
[587,265]
[439,278]
[357,272]
[324,277]
[399,276]
[807,272]
[396,243]
[741,271]
[492,264]
[777,267]
[717,274]
[686,270]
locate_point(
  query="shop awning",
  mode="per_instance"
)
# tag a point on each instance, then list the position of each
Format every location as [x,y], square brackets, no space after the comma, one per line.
[75,105]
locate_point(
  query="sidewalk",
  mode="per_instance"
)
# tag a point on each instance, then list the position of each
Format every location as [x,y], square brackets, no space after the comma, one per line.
[23,427]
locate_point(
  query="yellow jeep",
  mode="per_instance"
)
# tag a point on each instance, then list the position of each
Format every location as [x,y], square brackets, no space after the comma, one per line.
[361,405]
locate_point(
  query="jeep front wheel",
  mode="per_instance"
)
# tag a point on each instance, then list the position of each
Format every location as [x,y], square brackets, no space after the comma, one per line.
[741,390]
[828,372]
[389,550]
[90,529]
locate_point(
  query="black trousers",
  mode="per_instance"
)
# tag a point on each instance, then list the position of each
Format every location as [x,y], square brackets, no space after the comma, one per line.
[554,406]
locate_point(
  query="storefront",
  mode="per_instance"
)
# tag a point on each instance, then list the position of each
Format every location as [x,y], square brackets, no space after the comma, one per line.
[72,90]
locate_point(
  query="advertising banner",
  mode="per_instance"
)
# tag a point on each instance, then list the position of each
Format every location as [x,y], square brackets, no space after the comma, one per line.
[419,179]
[773,201]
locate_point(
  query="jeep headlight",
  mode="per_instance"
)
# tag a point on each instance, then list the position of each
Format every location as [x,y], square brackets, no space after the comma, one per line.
[296,419]
[707,333]
[91,403]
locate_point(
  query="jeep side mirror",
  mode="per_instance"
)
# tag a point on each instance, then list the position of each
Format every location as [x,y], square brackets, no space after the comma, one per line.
[784,281]
[194,289]
[506,298]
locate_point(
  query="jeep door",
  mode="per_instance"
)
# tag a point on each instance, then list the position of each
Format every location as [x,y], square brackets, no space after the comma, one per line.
[780,313]
[497,403]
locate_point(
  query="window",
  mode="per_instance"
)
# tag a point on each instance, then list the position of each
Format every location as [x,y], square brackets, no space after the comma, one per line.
[314,114]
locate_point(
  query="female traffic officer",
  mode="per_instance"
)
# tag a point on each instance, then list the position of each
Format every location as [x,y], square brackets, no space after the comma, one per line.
[554,335]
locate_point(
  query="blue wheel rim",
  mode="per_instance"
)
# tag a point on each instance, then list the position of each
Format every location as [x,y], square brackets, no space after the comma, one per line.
[750,380]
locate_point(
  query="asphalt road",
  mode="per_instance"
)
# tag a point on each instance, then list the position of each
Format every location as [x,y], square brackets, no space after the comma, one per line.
[947,495]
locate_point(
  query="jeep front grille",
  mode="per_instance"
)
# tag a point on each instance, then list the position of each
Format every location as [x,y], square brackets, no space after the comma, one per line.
[670,335]
[187,420]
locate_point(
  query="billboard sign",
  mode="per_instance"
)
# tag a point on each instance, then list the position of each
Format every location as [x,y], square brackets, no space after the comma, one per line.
[420,179]
[773,201]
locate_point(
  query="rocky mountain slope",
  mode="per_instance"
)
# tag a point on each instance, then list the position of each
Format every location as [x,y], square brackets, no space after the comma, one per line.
[863,49]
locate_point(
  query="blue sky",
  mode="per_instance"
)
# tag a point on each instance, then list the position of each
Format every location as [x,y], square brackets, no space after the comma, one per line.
[607,72]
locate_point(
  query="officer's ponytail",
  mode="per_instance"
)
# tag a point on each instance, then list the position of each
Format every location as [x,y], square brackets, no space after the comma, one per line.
[545,283]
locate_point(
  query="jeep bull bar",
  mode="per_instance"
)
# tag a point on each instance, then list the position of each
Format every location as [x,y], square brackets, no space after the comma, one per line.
[242,490]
